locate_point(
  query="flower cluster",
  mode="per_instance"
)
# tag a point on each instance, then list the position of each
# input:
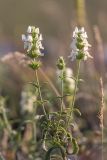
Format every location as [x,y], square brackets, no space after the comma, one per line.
[32,42]
[80,45]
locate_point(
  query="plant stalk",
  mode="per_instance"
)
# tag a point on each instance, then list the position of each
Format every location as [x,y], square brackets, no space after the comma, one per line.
[39,91]
[76,83]
[75,89]
[62,89]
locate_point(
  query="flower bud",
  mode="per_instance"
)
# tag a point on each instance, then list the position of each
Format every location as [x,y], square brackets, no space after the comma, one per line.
[61,63]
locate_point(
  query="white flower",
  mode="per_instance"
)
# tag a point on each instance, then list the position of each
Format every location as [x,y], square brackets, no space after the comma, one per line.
[37,30]
[73,44]
[73,55]
[23,37]
[39,45]
[80,45]
[81,31]
[29,30]
[27,38]
[40,37]
[31,40]
[27,41]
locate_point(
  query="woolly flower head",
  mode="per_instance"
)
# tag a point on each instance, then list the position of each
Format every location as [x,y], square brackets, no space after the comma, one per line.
[32,41]
[80,45]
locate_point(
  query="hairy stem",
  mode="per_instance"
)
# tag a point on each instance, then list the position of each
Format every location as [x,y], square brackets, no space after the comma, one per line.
[34,130]
[76,83]
[62,89]
[39,91]
[6,121]
[75,89]
[101,116]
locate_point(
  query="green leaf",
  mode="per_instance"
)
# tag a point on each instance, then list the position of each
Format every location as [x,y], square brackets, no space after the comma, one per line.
[75,146]
[69,136]
[63,130]
[77,111]
[72,78]
[34,84]
[54,113]
[41,102]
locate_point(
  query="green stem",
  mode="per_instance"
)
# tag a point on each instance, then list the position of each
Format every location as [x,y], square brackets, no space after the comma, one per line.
[62,90]
[34,125]
[6,121]
[101,116]
[75,89]
[34,131]
[39,91]
[41,99]
[76,84]
[102,138]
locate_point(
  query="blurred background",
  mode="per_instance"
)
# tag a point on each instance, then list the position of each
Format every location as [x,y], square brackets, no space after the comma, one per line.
[57,20]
